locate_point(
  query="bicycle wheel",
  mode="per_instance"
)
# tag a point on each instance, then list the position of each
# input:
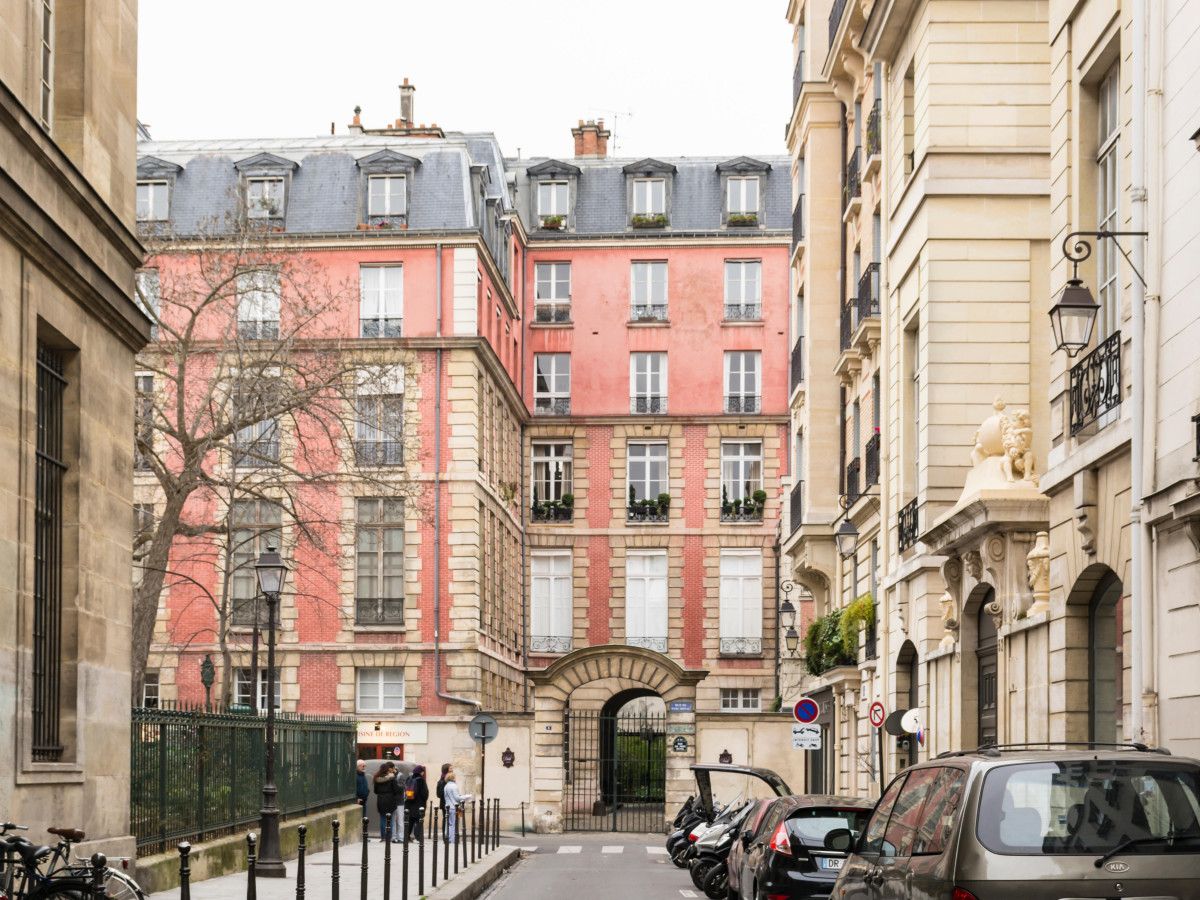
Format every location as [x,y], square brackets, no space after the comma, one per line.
[120,886]
[62,889]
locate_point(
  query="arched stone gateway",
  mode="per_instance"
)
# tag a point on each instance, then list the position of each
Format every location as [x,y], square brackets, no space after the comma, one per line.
[578,687]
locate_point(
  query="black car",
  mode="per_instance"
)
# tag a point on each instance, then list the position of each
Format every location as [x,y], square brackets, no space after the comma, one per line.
[799,847]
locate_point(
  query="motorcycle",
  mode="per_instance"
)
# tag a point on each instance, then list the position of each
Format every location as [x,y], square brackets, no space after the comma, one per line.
[708,870]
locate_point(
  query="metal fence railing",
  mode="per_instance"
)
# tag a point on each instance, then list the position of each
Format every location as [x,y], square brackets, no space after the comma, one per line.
[198,774]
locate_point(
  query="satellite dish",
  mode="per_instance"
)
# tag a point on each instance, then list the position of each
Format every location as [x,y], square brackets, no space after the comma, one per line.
[892,723]
[911,721]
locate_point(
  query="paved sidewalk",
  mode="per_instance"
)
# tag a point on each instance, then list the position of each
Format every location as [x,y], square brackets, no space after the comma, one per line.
[318,872]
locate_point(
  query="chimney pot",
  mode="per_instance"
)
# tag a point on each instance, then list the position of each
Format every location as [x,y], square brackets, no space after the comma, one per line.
[591,139]
[406,101]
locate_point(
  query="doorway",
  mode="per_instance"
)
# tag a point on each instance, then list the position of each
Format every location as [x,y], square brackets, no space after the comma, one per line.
[986,645]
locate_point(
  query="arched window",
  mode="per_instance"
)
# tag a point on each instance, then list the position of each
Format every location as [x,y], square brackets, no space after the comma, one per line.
[1105,666]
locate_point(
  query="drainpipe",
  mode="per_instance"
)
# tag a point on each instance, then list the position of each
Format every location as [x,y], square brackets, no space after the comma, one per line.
[1138,598]
[778,582]
[519,266]
[437,504]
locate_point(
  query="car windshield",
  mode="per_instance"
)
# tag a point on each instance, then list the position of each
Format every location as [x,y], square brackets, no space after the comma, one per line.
[811,825]
[1090,806]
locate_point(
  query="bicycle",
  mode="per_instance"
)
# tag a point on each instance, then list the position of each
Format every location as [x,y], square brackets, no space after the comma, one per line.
[32,872]
[117,884]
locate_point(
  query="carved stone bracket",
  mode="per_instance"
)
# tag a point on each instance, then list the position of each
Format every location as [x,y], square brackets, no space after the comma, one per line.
[1038,563]
[952,576]
[1085,510]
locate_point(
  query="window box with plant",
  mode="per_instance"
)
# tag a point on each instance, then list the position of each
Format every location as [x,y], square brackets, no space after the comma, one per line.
[553,222]
[824,648]
[743,220]
[649,220]
[749,509]
[650,510]
[561,510]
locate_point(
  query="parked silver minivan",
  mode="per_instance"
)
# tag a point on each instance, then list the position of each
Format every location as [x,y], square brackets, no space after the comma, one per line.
[1033,825]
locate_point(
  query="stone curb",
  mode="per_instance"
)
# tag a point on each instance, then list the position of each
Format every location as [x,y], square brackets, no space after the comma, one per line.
[472,883]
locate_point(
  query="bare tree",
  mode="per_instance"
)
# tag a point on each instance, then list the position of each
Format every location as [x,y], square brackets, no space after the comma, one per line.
[253,407]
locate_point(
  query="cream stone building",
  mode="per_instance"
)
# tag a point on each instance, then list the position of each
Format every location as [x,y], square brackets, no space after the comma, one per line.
[70,331]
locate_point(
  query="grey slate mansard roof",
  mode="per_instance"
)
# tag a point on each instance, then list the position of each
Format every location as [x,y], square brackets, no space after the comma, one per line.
[325,194]
[696,202]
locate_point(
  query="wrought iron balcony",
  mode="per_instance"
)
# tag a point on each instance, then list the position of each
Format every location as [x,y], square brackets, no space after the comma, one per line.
[741,646]
[747,511]
[380,328]
[798,78]
[558,311]
[798,222]
[853,488]
[552,406]
[1096,383]
[255,454]
[649,312]
[874,138]
[649,405]
[871,460]
[796,505]
[549,644]
[372,611]
[906,525]
[379,453]
[551,511]
[742,404]
[852,189]
[871,641]
[798,362]
[658,644]
[847,324]
[743,312]
[835,19]
[244,609]
[647,511]
[868,293]
[258,329]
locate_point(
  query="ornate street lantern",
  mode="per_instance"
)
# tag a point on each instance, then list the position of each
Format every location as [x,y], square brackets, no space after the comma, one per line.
[846,539]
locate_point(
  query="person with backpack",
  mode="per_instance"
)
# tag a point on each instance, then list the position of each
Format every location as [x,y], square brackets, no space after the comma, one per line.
[441,789]
[387,797]
[416,795]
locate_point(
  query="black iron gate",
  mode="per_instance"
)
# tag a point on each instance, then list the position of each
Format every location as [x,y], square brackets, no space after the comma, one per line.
[614,771]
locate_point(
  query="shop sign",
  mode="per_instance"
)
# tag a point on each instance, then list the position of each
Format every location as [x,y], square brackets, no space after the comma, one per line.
[393,733]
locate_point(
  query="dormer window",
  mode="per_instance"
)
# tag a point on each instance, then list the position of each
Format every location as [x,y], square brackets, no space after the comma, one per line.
[153,201]
[648,193]
[386,195]
[741,188]
[265,185]
[553,198]
[264,198]
[554,185]
[649,197]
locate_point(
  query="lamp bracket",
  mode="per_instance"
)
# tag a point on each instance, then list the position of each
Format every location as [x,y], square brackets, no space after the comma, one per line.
[1080,250]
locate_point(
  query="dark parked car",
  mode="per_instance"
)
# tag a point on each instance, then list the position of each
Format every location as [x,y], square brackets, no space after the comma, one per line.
[1034,824]
[799,847]
[738,850]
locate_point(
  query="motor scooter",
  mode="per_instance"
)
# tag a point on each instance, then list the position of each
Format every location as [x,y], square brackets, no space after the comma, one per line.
[712,849]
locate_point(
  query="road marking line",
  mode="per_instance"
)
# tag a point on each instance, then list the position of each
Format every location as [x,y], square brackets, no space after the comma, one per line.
[687,893]
[613,849]
[570,849]
[657,851]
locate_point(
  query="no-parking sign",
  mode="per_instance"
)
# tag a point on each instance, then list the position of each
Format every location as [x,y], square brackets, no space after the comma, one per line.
[806,710]
[878,714]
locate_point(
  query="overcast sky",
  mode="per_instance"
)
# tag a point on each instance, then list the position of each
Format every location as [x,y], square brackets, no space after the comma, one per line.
[671,77]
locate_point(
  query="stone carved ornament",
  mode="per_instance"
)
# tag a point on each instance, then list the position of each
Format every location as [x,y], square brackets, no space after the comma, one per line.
[951,573]
[1002,456]
[1038,563]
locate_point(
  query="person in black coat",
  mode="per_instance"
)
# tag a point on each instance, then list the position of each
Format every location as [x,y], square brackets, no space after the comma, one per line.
[416,795]
[362,790]
[387,797]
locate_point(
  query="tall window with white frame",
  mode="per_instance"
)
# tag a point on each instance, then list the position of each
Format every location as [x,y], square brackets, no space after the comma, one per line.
[741,602]
[743,289]
[739,699]
[258,293]
[741,199]
[381,301]
[256,443]
[649,500]
[47,74]
[648,383]
[150,692]
[552,292]
[648,290]
[152,201]
[380,690]
[143,447]
[256,524]
[742,381]
[550,601]
[386,196]
[552,384]
[551,489]
[265,198]
[379,561]
[553,198]
[242,688]
[742,496]
[1108,201]
[148,296]
[649,197]
[379,417]
[646,599]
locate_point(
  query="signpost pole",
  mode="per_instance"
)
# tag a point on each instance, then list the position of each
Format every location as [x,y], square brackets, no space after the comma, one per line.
[879,739]
[483,763]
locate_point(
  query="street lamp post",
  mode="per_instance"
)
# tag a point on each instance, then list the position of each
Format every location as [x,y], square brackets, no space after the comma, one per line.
[787,618]
[270,571]
[208,674]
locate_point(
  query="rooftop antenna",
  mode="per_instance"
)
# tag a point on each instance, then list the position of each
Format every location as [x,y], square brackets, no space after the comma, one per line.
[615,115]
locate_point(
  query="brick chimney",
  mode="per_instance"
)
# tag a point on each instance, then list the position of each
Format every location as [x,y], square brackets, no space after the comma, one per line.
[406,104]
[591,139]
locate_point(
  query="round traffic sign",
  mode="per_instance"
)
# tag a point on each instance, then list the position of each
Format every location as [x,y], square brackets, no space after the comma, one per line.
[483,728]
[806,710]
[878,713]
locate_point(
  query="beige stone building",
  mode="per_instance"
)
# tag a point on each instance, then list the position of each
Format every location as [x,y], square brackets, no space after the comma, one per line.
[70,331]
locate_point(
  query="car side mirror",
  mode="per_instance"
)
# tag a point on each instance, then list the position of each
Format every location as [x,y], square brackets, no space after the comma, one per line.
[839,839]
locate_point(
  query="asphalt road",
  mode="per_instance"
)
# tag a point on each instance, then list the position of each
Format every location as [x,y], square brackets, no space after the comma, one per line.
[593,867]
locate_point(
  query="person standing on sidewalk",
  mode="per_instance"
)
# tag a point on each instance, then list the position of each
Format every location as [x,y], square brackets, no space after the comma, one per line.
[387,797]
[452,799]
[441,793]
[416,795]
[362,789]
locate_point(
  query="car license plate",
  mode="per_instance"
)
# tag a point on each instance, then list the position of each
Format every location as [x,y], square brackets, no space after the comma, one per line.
[829,863]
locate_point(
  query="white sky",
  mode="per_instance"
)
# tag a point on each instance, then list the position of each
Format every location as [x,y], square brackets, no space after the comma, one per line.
[698,77]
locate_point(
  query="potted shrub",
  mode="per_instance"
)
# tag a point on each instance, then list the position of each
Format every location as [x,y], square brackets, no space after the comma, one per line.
[552,223]
[664,503]
[726,506]
[568,500]
[737,507]
[760,500]
[743,219]
[649,220]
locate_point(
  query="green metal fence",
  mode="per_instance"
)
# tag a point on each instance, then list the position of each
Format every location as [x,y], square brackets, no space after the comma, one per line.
[198,774]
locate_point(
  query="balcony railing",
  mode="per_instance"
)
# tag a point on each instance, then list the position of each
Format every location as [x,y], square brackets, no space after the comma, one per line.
[743,312]
[798,362]
[741,646]
[796,505]
[871,460]
[798,78]
[871,641]
[1096,383]
[552,406]
[369,611]
[853,486]
[798,222]
[906,525]
[649,312]
[868,293]
[742,404]
[258,329]
[747,510]
[847,324]
[380,328]
[551,511]
[835,19]
[255,454]
[647,511]
[658,644]
[649,405]
[552,312]
[874,138]
[853,186]
[378,453]
[549,644]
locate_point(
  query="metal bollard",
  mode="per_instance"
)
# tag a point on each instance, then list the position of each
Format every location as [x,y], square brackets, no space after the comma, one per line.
[404,865]
[335,885]
[99,874]
[421,855]
[251,863]
[301,833]
[434,831]
[387,859]
[522,818]
[362,869]
[473,833]
[185,872]
[458,810]
[496,827]
[446,847]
